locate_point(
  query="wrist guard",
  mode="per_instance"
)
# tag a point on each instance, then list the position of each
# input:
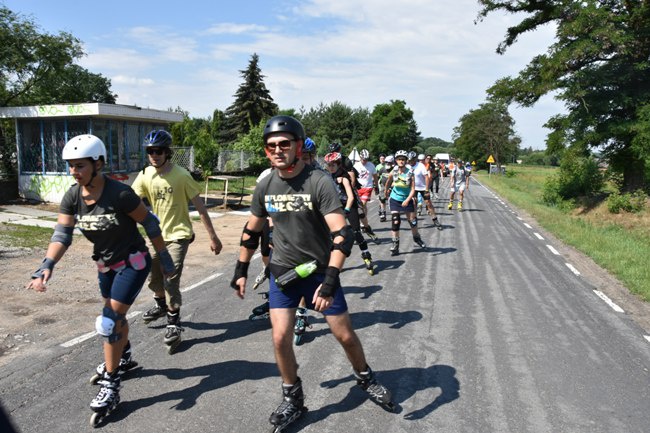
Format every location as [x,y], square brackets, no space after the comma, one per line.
[166,262]
[331,283]
[241,270]
[48,264]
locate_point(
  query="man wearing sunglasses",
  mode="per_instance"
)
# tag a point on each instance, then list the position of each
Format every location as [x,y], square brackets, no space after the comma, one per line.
[169,188]
[308,226]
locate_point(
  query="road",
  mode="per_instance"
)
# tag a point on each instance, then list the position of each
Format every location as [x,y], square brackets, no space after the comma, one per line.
[487,330]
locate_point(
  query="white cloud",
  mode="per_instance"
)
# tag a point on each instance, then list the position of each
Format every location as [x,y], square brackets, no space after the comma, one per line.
[235,29]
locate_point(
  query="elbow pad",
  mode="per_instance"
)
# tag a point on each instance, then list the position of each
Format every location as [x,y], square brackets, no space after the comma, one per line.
[62,234]
[253,240]
[151,226]
[345,246]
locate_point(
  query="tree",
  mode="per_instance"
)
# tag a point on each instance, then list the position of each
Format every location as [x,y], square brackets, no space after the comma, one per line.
[487,130]
[393,128]
[38,68]
[598,65]
[73,84]
[253,103]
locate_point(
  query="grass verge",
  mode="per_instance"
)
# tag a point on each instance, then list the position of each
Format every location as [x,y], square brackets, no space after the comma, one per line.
[619,243]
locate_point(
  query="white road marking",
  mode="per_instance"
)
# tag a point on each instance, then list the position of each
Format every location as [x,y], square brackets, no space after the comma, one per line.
[573,269]
[520,218]
[538,236]
[608,301]
[553,250]
[647,337]
[528,226]
[203,281]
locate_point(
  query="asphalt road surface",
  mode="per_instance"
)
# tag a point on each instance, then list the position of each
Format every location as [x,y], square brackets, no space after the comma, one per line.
[486,330]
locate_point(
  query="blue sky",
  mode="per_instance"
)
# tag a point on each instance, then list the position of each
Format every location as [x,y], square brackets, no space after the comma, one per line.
[429,53]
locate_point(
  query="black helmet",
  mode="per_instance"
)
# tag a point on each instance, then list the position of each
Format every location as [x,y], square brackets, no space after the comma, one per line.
[158,138]
[335,147]
[284,124]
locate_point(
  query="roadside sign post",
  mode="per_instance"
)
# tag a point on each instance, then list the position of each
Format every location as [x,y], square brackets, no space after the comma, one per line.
[490,161]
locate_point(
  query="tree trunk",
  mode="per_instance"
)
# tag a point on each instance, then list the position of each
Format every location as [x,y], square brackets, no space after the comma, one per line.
[634,175]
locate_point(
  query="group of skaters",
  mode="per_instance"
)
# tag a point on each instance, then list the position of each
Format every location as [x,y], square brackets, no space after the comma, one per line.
[314,215]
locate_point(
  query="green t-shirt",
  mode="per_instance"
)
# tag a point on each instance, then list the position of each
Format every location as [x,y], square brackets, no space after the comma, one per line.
[169,195]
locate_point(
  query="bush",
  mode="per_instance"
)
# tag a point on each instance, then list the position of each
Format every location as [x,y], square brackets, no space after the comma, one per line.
[628,202]
[578,177]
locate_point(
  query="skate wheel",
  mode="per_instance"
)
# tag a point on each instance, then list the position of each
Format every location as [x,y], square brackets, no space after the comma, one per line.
[297,339]
[171,349]
[95,419]
[95,377]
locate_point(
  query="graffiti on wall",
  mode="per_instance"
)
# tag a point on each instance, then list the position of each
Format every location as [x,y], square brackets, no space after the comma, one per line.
[52,188]
[64,110]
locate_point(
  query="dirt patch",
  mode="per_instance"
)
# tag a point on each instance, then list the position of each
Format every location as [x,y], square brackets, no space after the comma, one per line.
[32,321]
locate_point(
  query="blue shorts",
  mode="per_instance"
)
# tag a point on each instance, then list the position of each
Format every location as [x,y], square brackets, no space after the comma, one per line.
[289,297]
[396,206]
[124,286]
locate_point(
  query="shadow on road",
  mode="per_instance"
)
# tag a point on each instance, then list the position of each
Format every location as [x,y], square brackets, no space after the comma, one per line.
[364,319]
[404,384]
[215,376]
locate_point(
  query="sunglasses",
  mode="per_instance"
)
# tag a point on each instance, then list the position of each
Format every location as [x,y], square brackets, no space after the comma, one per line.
[283,145]
[154,151]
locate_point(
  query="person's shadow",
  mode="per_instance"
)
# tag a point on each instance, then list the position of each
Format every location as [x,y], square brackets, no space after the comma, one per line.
[364,319]
[403,383]
[215,376]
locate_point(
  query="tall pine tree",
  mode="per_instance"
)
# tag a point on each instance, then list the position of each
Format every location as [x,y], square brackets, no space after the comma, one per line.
[253,103]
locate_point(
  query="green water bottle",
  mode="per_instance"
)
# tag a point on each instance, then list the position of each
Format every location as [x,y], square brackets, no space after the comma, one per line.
[301,271]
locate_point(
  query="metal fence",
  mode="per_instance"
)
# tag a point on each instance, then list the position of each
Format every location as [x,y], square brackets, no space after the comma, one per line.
[184,156]
[232,161]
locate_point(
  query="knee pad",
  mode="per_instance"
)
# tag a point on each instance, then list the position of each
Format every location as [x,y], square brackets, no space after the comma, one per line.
[426,196]
[413,223]
[396,222]
[105,324]
[382,199]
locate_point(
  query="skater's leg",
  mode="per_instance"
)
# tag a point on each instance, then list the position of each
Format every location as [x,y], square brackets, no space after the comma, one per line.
[282,321]
[113,349]
[341,328]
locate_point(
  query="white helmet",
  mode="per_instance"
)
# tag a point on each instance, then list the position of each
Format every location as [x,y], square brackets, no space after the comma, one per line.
[364,154]
[421,157]
[389,159]
[84,146]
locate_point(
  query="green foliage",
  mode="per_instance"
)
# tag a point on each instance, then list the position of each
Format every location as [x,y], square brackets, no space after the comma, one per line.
[198,133]
[253,103]
[336,122]
[598,66]
[578,177]
[629,202]
[393,128]
[487,130]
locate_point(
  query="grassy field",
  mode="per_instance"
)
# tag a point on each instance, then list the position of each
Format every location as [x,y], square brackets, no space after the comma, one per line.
[619,243]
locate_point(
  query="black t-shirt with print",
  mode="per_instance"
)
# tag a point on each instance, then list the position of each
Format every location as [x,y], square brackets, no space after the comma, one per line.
[297,207]
[106,223]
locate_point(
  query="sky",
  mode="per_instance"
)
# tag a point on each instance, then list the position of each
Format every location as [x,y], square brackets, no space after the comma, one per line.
[429,53]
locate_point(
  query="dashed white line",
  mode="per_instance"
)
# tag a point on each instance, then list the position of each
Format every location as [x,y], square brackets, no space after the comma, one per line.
[520,218]
[647,337]
[553,250]
[203,281]
[572,268]
[608,301]
[528,226]
[538,236]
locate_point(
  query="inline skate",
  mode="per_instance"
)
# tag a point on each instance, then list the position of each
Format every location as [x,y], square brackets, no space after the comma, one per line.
[291,408]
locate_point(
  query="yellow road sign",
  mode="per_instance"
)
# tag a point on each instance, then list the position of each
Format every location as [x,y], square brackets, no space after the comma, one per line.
[490,160]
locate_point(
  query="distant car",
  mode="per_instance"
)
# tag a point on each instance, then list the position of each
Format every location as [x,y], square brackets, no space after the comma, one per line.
[443,158]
